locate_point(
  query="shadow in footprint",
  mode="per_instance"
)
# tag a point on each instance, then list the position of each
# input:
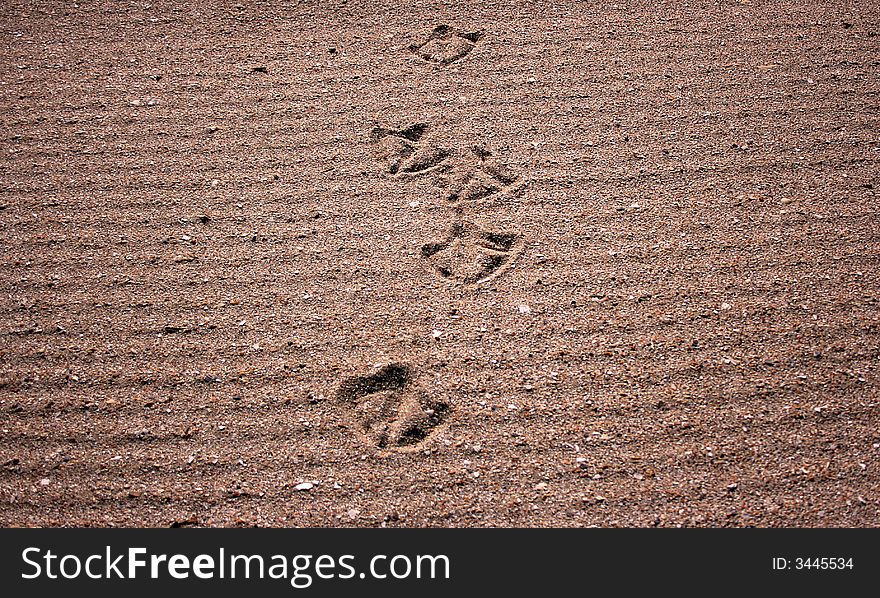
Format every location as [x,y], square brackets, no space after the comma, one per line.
[446,45]
[470,255]
[388,411]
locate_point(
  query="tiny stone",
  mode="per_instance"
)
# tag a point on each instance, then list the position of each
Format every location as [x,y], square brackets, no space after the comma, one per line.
[541,486]
[304,486]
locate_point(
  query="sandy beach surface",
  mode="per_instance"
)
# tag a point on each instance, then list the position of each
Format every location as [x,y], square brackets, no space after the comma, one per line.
[439,264]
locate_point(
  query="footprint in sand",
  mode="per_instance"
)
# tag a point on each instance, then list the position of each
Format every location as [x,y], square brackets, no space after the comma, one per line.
[469,255]
[403,152]
[389,411]
[446,45]
[479,177]
[463,176]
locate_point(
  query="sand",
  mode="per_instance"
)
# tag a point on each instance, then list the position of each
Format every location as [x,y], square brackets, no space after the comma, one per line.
[439,264]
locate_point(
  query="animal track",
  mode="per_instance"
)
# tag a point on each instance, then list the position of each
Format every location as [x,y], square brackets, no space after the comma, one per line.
[470,255]
[482,178]
[402,153]
[388,411]
[465,176]
[446,45]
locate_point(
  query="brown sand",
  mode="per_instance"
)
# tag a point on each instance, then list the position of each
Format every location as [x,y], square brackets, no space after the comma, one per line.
[571,265]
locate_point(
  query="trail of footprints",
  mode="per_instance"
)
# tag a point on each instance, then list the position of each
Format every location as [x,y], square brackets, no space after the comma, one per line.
[387,408]
[465,180]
